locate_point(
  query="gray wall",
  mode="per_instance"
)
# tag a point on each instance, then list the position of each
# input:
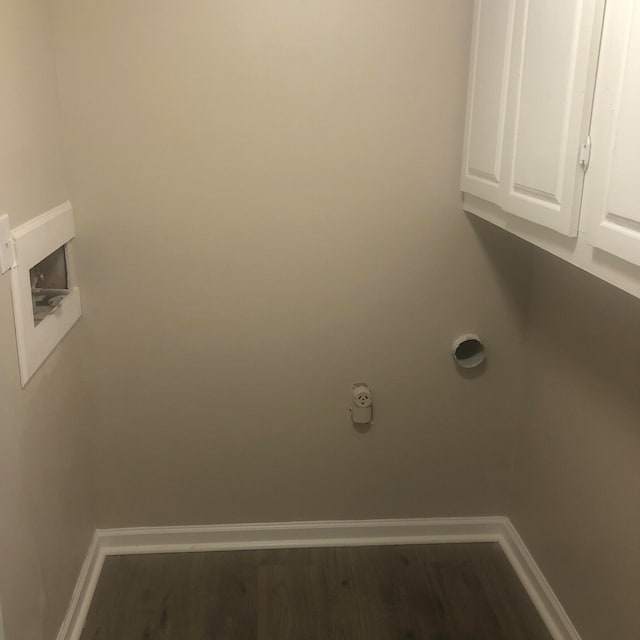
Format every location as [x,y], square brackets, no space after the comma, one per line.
[577,474]
[268,200]
[46,506]
[268,210]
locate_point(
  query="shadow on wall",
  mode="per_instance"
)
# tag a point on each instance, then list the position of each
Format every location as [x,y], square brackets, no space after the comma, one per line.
[511,260]
[583,319]
[589,323]
[576,485]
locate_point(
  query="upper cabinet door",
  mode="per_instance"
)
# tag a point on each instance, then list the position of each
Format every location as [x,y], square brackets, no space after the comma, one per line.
[611,197]
[491,46]
[554,50]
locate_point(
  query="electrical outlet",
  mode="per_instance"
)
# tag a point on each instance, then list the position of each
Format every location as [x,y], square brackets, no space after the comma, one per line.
[363,399]
[361,404]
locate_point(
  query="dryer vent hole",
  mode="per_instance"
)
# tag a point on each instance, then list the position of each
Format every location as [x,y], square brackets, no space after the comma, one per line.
[469,353]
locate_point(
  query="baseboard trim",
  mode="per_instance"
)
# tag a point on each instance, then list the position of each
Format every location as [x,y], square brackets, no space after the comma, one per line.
[499,529]
[533,580]
[298,534]
[82,595]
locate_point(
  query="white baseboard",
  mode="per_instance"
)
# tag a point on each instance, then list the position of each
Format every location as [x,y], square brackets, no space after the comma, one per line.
[82,595]
[317,534]
[298,534]
[536,585]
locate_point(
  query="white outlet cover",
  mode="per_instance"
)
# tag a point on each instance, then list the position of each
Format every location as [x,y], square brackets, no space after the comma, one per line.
[362,396]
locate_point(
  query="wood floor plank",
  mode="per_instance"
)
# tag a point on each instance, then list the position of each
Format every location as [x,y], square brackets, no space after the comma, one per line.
[466,609]
[418,608]
[412,592]
[223,594]
[292,603]
[359,610]
[517,615]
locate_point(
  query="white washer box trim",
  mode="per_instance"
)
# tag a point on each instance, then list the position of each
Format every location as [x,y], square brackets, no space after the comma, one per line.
[34,241]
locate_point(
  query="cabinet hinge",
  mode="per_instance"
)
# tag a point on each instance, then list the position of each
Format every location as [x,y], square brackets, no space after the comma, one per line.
[585,153]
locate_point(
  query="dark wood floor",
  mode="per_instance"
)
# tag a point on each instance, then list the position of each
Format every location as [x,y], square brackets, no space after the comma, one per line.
[432,592]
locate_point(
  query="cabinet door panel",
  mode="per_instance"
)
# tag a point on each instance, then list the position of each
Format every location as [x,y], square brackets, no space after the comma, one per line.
[611,193]
[490,55]
[548,111]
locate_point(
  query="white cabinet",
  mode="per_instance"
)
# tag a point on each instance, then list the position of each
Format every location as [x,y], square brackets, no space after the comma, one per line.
[612,192]
[527,113]
[547,114]
[487,99]
[550,153]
